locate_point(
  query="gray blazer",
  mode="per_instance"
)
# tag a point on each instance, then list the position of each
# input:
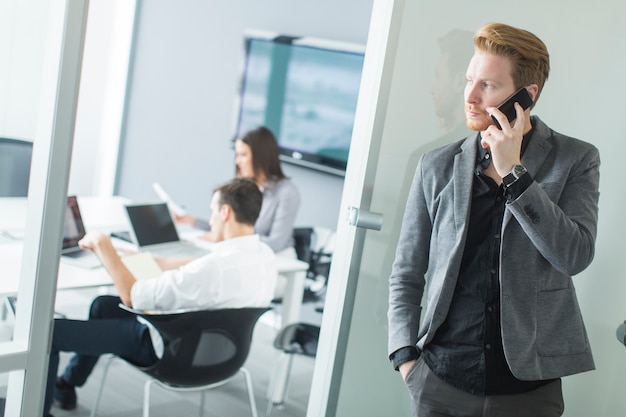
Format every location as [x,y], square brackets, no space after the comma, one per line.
[281,201]
[548,235]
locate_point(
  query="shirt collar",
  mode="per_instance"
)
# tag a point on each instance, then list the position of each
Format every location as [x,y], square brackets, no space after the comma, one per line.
[236,244]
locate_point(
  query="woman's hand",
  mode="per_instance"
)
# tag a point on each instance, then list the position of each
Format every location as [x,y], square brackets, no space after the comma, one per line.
[185,219]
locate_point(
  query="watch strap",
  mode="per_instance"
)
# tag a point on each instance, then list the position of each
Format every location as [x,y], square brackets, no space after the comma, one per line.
[509,179]
[516,189]
[516,173]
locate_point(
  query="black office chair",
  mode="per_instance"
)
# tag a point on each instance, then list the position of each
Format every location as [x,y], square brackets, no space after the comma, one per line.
[15,157]
[294,339]
[204,349]
[317,256]
[621,333]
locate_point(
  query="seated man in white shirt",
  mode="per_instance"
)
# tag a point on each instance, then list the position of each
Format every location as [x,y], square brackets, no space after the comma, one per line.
[239,272]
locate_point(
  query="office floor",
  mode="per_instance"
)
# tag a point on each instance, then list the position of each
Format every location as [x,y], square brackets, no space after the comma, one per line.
[123,390]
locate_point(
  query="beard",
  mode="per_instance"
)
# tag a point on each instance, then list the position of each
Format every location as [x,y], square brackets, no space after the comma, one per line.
[479,123]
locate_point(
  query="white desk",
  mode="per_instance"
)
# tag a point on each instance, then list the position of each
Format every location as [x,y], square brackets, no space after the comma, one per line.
[107,214]
[98,213]
[70,277]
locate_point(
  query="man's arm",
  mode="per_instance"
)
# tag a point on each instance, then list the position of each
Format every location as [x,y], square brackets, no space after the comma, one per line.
[406,282]
[122,278]
[561,205]
[173,263]
[403,359]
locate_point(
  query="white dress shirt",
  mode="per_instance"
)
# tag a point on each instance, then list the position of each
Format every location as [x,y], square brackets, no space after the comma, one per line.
[238,272]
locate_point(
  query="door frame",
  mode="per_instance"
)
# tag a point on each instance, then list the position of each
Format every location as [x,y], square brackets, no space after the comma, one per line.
[30,347]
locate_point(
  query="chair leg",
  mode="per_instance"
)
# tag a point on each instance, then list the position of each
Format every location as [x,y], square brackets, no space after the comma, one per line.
[202,403]
[146,397]
[105,371]
[248,379]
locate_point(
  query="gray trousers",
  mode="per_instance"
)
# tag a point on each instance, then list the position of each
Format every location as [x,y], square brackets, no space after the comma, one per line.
[432,397]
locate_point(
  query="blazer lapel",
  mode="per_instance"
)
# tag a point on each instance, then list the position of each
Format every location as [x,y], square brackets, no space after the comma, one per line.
[538,148]
[464,164]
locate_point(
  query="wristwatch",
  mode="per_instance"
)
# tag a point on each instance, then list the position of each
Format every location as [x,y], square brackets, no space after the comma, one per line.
[510,178]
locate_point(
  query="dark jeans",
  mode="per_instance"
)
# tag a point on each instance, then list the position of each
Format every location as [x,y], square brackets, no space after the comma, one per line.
[108,330]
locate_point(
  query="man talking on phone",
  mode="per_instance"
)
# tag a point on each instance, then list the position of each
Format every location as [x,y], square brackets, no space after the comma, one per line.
[495,226]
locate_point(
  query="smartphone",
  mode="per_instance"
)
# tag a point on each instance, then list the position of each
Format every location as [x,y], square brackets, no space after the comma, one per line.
[507,107]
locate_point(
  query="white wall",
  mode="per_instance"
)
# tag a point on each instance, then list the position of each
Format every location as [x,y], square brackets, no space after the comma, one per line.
[182,89]
[102,90]
[23,25]
[101,97]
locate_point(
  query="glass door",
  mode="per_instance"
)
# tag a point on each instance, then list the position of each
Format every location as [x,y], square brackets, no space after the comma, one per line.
[411,101]
[353,335]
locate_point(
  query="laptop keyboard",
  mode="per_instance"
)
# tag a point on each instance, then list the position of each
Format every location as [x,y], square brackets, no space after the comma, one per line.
[82,258]
[78,254]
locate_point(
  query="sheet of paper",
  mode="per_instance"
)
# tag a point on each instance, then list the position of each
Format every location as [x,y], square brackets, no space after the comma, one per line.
[142,265]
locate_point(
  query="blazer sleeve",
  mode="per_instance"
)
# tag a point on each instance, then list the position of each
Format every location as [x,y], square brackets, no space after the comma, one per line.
[563,207]
[407,279]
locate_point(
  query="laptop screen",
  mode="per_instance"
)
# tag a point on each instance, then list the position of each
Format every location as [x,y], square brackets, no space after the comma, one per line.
[73,228]
[152,224]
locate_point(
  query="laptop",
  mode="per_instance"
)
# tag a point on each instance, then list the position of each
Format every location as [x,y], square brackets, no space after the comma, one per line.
[152,229]
[73,231]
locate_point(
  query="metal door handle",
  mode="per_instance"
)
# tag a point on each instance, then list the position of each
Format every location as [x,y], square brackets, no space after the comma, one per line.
[365,219]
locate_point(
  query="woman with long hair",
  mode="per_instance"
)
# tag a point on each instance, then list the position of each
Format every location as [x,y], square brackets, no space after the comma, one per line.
[257,157]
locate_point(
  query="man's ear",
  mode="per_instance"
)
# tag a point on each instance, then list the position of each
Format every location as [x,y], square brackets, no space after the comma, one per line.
[533,90]
[225,212]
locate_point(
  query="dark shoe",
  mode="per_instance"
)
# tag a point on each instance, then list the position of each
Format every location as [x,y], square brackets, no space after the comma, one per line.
[64,394]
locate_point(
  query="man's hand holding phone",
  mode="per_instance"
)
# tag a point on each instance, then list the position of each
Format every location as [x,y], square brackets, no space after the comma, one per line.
[522,97]
[505,144]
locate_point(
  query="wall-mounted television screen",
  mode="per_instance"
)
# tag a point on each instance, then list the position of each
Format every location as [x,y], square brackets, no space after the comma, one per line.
[305,90]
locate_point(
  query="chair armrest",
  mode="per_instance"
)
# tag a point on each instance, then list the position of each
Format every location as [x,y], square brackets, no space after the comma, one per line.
[175,312]
[158,312]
